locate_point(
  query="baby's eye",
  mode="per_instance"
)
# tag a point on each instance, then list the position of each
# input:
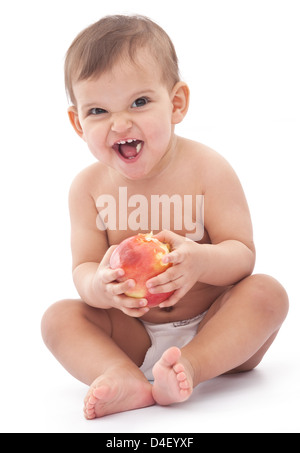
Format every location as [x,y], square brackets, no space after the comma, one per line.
[140,102]
[96,111]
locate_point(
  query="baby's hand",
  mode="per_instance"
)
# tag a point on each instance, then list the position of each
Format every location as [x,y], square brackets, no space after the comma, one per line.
[185,270]
[106,284]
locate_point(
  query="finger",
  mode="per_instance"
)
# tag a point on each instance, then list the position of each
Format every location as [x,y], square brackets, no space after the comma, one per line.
[107,255]
[169,275]
[123,301]
[166,236]
[172,285]
[130,306]
[120,288]
[172,257]
[135,312]
[109,275]
[106,274]
[172,300]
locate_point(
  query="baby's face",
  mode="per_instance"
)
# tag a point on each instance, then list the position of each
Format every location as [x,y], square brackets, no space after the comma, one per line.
[125,116]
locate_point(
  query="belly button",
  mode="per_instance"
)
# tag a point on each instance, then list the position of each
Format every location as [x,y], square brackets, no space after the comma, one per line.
[167,309]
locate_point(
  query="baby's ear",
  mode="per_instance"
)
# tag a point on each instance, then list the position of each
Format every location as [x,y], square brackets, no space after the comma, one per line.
[74,119]
[180,97]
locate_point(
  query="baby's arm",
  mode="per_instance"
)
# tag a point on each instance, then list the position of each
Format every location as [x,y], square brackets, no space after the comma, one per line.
[96,283]
[231,254]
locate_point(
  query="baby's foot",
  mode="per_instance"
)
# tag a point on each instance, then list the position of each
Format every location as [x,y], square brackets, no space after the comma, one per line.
[117,390]
[172,379]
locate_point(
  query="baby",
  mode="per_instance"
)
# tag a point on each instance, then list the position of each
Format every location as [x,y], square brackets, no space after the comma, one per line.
[123,81]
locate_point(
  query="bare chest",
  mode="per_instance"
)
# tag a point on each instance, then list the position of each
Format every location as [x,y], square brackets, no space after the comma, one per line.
[124,211]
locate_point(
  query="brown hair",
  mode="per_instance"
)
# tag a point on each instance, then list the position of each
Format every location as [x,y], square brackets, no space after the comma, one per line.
[97,48]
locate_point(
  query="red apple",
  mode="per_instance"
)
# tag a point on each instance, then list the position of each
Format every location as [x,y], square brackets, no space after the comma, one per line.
[140,257]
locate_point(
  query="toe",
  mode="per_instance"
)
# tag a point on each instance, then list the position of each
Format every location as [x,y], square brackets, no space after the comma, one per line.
[178,368]
[184,385]
[181,376]
[92,400]
[170,356]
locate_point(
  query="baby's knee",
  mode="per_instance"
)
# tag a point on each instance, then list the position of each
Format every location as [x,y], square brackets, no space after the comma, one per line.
[270,296]
[56,318]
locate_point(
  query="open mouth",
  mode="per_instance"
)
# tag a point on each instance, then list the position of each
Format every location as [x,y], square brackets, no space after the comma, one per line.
[129,149]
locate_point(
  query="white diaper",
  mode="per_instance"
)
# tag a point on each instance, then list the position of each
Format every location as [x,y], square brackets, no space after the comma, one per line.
[163,336]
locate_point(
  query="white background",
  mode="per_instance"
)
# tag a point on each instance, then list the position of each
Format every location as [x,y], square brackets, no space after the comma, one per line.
[241,61]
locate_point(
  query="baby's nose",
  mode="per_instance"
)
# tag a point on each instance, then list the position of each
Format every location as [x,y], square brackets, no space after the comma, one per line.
[121,122]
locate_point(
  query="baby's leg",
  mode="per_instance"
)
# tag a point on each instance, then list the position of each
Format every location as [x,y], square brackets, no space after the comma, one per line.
[102,349]
[233,337]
